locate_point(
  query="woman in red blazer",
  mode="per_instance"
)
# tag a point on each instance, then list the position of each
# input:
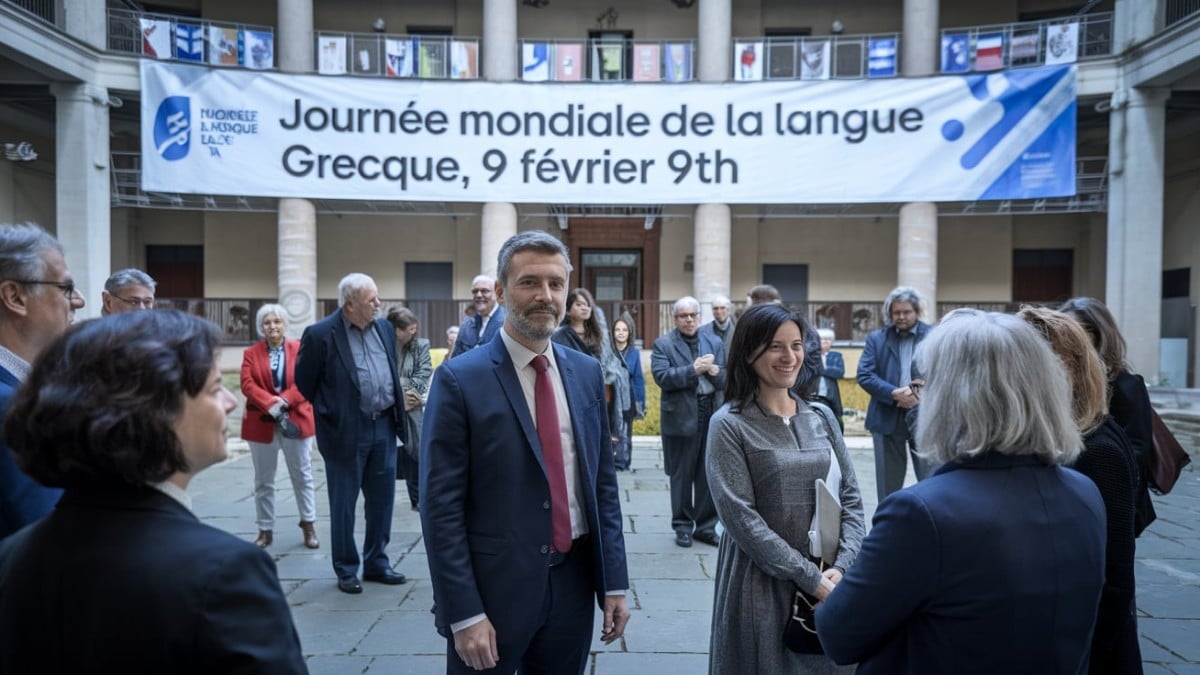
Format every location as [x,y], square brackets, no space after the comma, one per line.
[277,418]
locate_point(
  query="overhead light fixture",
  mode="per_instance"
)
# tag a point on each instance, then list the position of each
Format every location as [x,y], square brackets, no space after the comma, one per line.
[19,152]
[837,27]
[379,25]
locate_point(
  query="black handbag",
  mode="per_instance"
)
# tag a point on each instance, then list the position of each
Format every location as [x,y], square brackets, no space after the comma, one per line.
[800,633]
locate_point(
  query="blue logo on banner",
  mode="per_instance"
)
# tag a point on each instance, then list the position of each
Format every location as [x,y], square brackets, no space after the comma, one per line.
[173,128]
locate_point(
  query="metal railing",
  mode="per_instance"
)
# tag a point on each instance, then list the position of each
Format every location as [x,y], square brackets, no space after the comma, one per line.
[46,10]
[1178,10]
[600,60]
[1027,43]
[406,56]
[192,40]
[816,58]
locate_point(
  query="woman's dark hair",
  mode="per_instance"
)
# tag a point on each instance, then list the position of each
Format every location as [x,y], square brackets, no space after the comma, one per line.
[100,404]
[401,317]
[753,333]
[593,330]
[1101,327]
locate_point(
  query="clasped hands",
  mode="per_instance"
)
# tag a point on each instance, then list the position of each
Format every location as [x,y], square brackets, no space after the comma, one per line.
[910,396]
[706,365]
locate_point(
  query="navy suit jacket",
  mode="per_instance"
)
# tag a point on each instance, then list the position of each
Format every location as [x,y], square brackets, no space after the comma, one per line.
[834,370]
[671,365]
[127,580]
[22,499]
[879,375]
[468,332]
[485,498]
[327,377]
[991,565]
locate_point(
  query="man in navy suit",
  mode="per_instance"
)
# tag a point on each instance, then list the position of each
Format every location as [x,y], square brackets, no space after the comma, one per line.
[489,316]
[347,369]
[886,372]
[833,368]
[38,300]
[519,502]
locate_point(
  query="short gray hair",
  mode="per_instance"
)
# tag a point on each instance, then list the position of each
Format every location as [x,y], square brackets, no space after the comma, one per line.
[902,294]
[265,311]
[826,333]
[686,301]
[530,240]
[993,385]
[721,301]
[130,276]
[22,248]
[490,281]
[451,329]
[351,284]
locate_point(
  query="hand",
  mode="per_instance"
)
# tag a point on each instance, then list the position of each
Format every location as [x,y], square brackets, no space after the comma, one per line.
[283,404]
[904,397]
[412,400]
[476,645]
[833,574]
[616,615]
[824,588]
[703,364]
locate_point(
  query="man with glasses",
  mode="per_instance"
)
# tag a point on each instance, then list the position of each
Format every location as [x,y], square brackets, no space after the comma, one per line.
[38,300]
[689,367]
[478,330]
[127,290]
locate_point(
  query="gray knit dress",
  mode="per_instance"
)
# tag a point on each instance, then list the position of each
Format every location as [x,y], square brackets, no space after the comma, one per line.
[761,471]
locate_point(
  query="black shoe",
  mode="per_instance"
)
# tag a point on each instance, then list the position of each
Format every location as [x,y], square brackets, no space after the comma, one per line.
[349,585]
[683,539]
[389,577]
[709,538]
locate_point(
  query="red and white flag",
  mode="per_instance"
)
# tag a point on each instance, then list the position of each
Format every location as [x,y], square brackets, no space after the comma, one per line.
[989,52]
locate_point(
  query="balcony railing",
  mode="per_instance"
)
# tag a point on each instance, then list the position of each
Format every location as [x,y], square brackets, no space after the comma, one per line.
[46,10]
[177,38]
[1178,10]
[1027,43]
[816,58]
[405,56]
[600,60]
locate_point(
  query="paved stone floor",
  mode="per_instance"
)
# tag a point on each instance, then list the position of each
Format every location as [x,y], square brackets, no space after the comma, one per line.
[389,629]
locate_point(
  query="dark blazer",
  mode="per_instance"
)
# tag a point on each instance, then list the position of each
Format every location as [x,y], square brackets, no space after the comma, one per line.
[725,339]
[671,365]
[468,332]
[485,499]
[258,384]
[879,375]
[834,370]
[637,379]
[991,565]
[326,376]
[129,581]
[1129,405]
[22,499]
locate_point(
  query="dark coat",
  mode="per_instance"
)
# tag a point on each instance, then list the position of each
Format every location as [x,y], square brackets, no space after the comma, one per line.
[22,499]
[879,375]
[468,332]
[671,365]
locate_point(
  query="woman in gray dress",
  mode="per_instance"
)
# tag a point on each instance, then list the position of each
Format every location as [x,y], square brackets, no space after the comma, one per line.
[766,448]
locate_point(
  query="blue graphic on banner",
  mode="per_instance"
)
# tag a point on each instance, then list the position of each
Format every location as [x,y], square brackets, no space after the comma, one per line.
[881,57]
[173,128]
[189,42]
[956,53]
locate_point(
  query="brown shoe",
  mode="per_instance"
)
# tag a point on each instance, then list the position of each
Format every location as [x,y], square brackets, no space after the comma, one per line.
[310,534]
[264,539]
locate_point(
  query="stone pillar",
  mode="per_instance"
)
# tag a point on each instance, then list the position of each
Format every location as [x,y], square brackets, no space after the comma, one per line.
[81,158]
[297,218]
[498,220]
[86,20]
[712,226]
[917,249]
[1133,284]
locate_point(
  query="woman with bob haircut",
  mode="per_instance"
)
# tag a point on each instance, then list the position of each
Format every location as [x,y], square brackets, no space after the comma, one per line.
[993,564]
[766,448]
[1108,460]
[122,413]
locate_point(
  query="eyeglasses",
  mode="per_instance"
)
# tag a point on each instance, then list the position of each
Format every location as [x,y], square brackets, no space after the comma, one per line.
[481,291]
[67,287]
[145,303]
[689,316]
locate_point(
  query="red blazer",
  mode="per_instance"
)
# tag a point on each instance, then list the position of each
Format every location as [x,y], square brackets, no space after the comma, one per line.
[259,387]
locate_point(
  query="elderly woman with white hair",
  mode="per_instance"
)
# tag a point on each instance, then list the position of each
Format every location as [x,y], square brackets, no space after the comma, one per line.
[277,418]
[993,564]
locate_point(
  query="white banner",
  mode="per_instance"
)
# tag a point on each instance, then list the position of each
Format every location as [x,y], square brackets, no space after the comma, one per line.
[1007,135]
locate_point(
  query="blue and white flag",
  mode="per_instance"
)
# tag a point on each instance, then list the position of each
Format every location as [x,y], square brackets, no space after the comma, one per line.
[257,49]
[189,42]
[956,53]
[881,57]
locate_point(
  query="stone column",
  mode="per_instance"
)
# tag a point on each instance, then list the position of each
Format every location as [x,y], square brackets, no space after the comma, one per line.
[917,249]
[297,218]
[1133,284]
[81,158]
[498,220]
[86,20]
[712,226]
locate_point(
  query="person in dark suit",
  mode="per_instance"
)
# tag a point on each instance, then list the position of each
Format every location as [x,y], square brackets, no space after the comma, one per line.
[122,577]
[38,300]
[723,322]
[995,563]
[273,404]
[886,372]
[689,366]
[347,370]
[478,330]
[519,500]
[833,368]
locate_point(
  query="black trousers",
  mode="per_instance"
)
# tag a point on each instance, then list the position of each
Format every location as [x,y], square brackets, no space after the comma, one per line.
[692,508]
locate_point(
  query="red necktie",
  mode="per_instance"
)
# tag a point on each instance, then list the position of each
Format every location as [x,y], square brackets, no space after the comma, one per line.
[552,453]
